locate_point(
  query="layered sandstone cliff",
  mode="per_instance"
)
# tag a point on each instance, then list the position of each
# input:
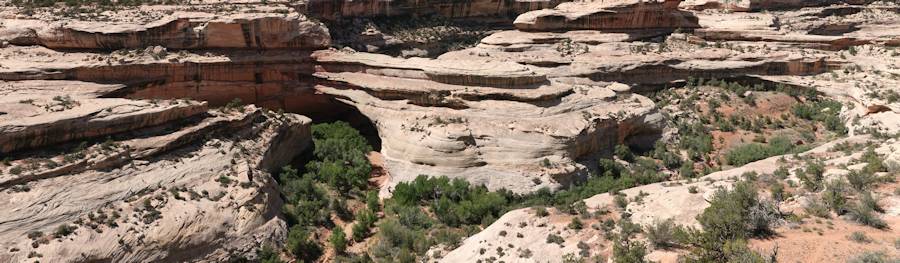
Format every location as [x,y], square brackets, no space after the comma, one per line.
[338,9]
[613,16]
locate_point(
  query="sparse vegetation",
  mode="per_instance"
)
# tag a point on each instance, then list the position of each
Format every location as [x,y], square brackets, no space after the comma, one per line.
[664,234]
[732,217]
[753,152]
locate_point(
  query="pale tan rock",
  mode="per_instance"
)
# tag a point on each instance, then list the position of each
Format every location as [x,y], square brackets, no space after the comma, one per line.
[615,15]
[178,31]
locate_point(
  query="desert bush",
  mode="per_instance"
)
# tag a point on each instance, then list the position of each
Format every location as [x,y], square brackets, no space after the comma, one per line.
[338,240]
[815,207]
[609,167]
[63,230]
[628,251]
[752,152]
[555,239]
[813,175]
[861,180]
[300,245]
[399,243]
[859,237]
[693,189]
[576,224]
[663,234]
[825,111]
[865,215]
[541,211]
[834,196]
[624,153]
[871,257]
[737,214]
[687,170]
[868,200]
[267,254]
[777,191]
[621,201]
[733,216]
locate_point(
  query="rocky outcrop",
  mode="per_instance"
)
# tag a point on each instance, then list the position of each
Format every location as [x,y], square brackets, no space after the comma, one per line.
[36,120]
[183,191]
[337,9]
[612,16]
[180,31]
[511,132]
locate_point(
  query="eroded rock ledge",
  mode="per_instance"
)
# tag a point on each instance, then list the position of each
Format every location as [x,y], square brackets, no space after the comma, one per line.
[167,186]
[486,130]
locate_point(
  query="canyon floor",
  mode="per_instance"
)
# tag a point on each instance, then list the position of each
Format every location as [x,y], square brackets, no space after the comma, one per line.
[450,131]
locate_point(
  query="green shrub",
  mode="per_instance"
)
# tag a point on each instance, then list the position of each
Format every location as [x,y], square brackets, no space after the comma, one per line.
[457,203]
[300,245]
[268,255]
[399,243]
[693,189]
[663,234]
[866,216]
[621,201]
[608,167]
[736,214]
[825,111]
[859,237]
[624,153]
[305,202]
[551,238]
[541,211]
[338,240]
[64,230]
[340,156]
[813,176]
[814,207]
[871,257]
[733,216]
[834,196]
[868,200]
[372,201]
[687,170]
[778,193]
[861,180]
[365,219]
[576,224]
[752,152]
[627,251]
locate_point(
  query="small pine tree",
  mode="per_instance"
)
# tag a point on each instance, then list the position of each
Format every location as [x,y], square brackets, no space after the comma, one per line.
[338,240]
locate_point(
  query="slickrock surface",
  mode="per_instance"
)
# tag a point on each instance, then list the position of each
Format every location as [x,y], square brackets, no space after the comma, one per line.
[126,140]
[522,230]
[175,181]
[493,126]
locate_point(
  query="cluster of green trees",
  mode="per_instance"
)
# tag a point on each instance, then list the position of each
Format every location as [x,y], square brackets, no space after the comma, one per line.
[825,111]
[748,153]
[339,171]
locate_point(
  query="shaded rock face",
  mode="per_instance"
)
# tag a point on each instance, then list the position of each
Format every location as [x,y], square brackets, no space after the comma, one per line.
[611,16]
[232,32]
[336,9]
